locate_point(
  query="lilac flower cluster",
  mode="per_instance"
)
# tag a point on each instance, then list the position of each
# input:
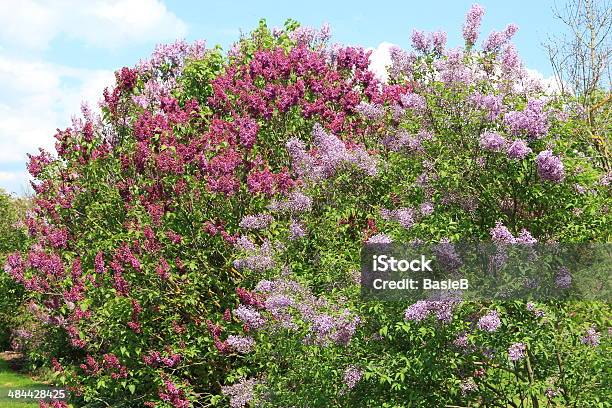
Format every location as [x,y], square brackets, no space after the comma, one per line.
[415,102]
[472,24]
[297,230]
[492,141]
[497,39]
[256,258]
[249,316]
[591,338]
[256,221]
[492,104]
[290,304]
[329,155]
[352,375]
[242,344]
[500,234]
[404,216]
[563,278]
[372,111]
[550,167]
[452,69]
[305,35]
[532,121]
[442,306]
[401,63]
[241,393]
[489,322]
[447,255]
[296,202]
[379,239]
[518,149]
[517,351]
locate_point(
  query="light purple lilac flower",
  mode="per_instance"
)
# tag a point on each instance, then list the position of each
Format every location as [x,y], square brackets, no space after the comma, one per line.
[591,338]
[518,149]
[256,221]
[517,351]
[550,167]
[242,344]
[249,316]
[532,121]
[472,24]
[380,239]
[296,230]
[414,101]
[439,41]
[352,375]
[492,141]
[563,279]
[501,234]
[497,39]
[421,41]
[426,208]
[241,393]
[468,385]
[372,111]
[489,322]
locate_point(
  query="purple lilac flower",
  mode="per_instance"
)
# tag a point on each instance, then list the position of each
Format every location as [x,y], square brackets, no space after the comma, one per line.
[352,375]
[492,141]
[517,351]
[591,338]
[401,62]
[417,311]
[372,111]
[472,24]
[501,234]
[447,255]
[525,238]
[532,308]
[498,39]
[256,221]
[241,393]
[492,104]
[242,344]
[426,208]
[439,41]
[420,41]
[380,239]
[489,322]
[511,62]
[550,167]
[256,259]
[461,341]
[518,149]
[532,120]
[296,230]
[414,101]
[403,216]
[452,69]
[249,316]
[563,279]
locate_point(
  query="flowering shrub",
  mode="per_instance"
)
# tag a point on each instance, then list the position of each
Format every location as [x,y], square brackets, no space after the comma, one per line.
[198,242]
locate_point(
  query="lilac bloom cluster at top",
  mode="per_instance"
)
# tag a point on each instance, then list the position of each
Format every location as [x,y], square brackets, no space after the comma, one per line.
[441,306]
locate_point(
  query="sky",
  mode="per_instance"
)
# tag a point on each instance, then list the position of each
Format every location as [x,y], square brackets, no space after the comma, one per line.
[56,53]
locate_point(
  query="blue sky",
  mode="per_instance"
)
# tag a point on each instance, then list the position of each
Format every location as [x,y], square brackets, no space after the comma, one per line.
[55,53]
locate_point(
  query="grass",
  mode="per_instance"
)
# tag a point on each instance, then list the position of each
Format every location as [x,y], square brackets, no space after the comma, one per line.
[12,380]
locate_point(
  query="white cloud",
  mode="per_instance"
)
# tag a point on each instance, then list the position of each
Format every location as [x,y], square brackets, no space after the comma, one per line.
[380,59]
[38,98]
[104,23]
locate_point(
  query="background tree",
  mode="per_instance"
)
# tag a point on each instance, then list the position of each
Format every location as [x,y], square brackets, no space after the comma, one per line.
[581,63]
